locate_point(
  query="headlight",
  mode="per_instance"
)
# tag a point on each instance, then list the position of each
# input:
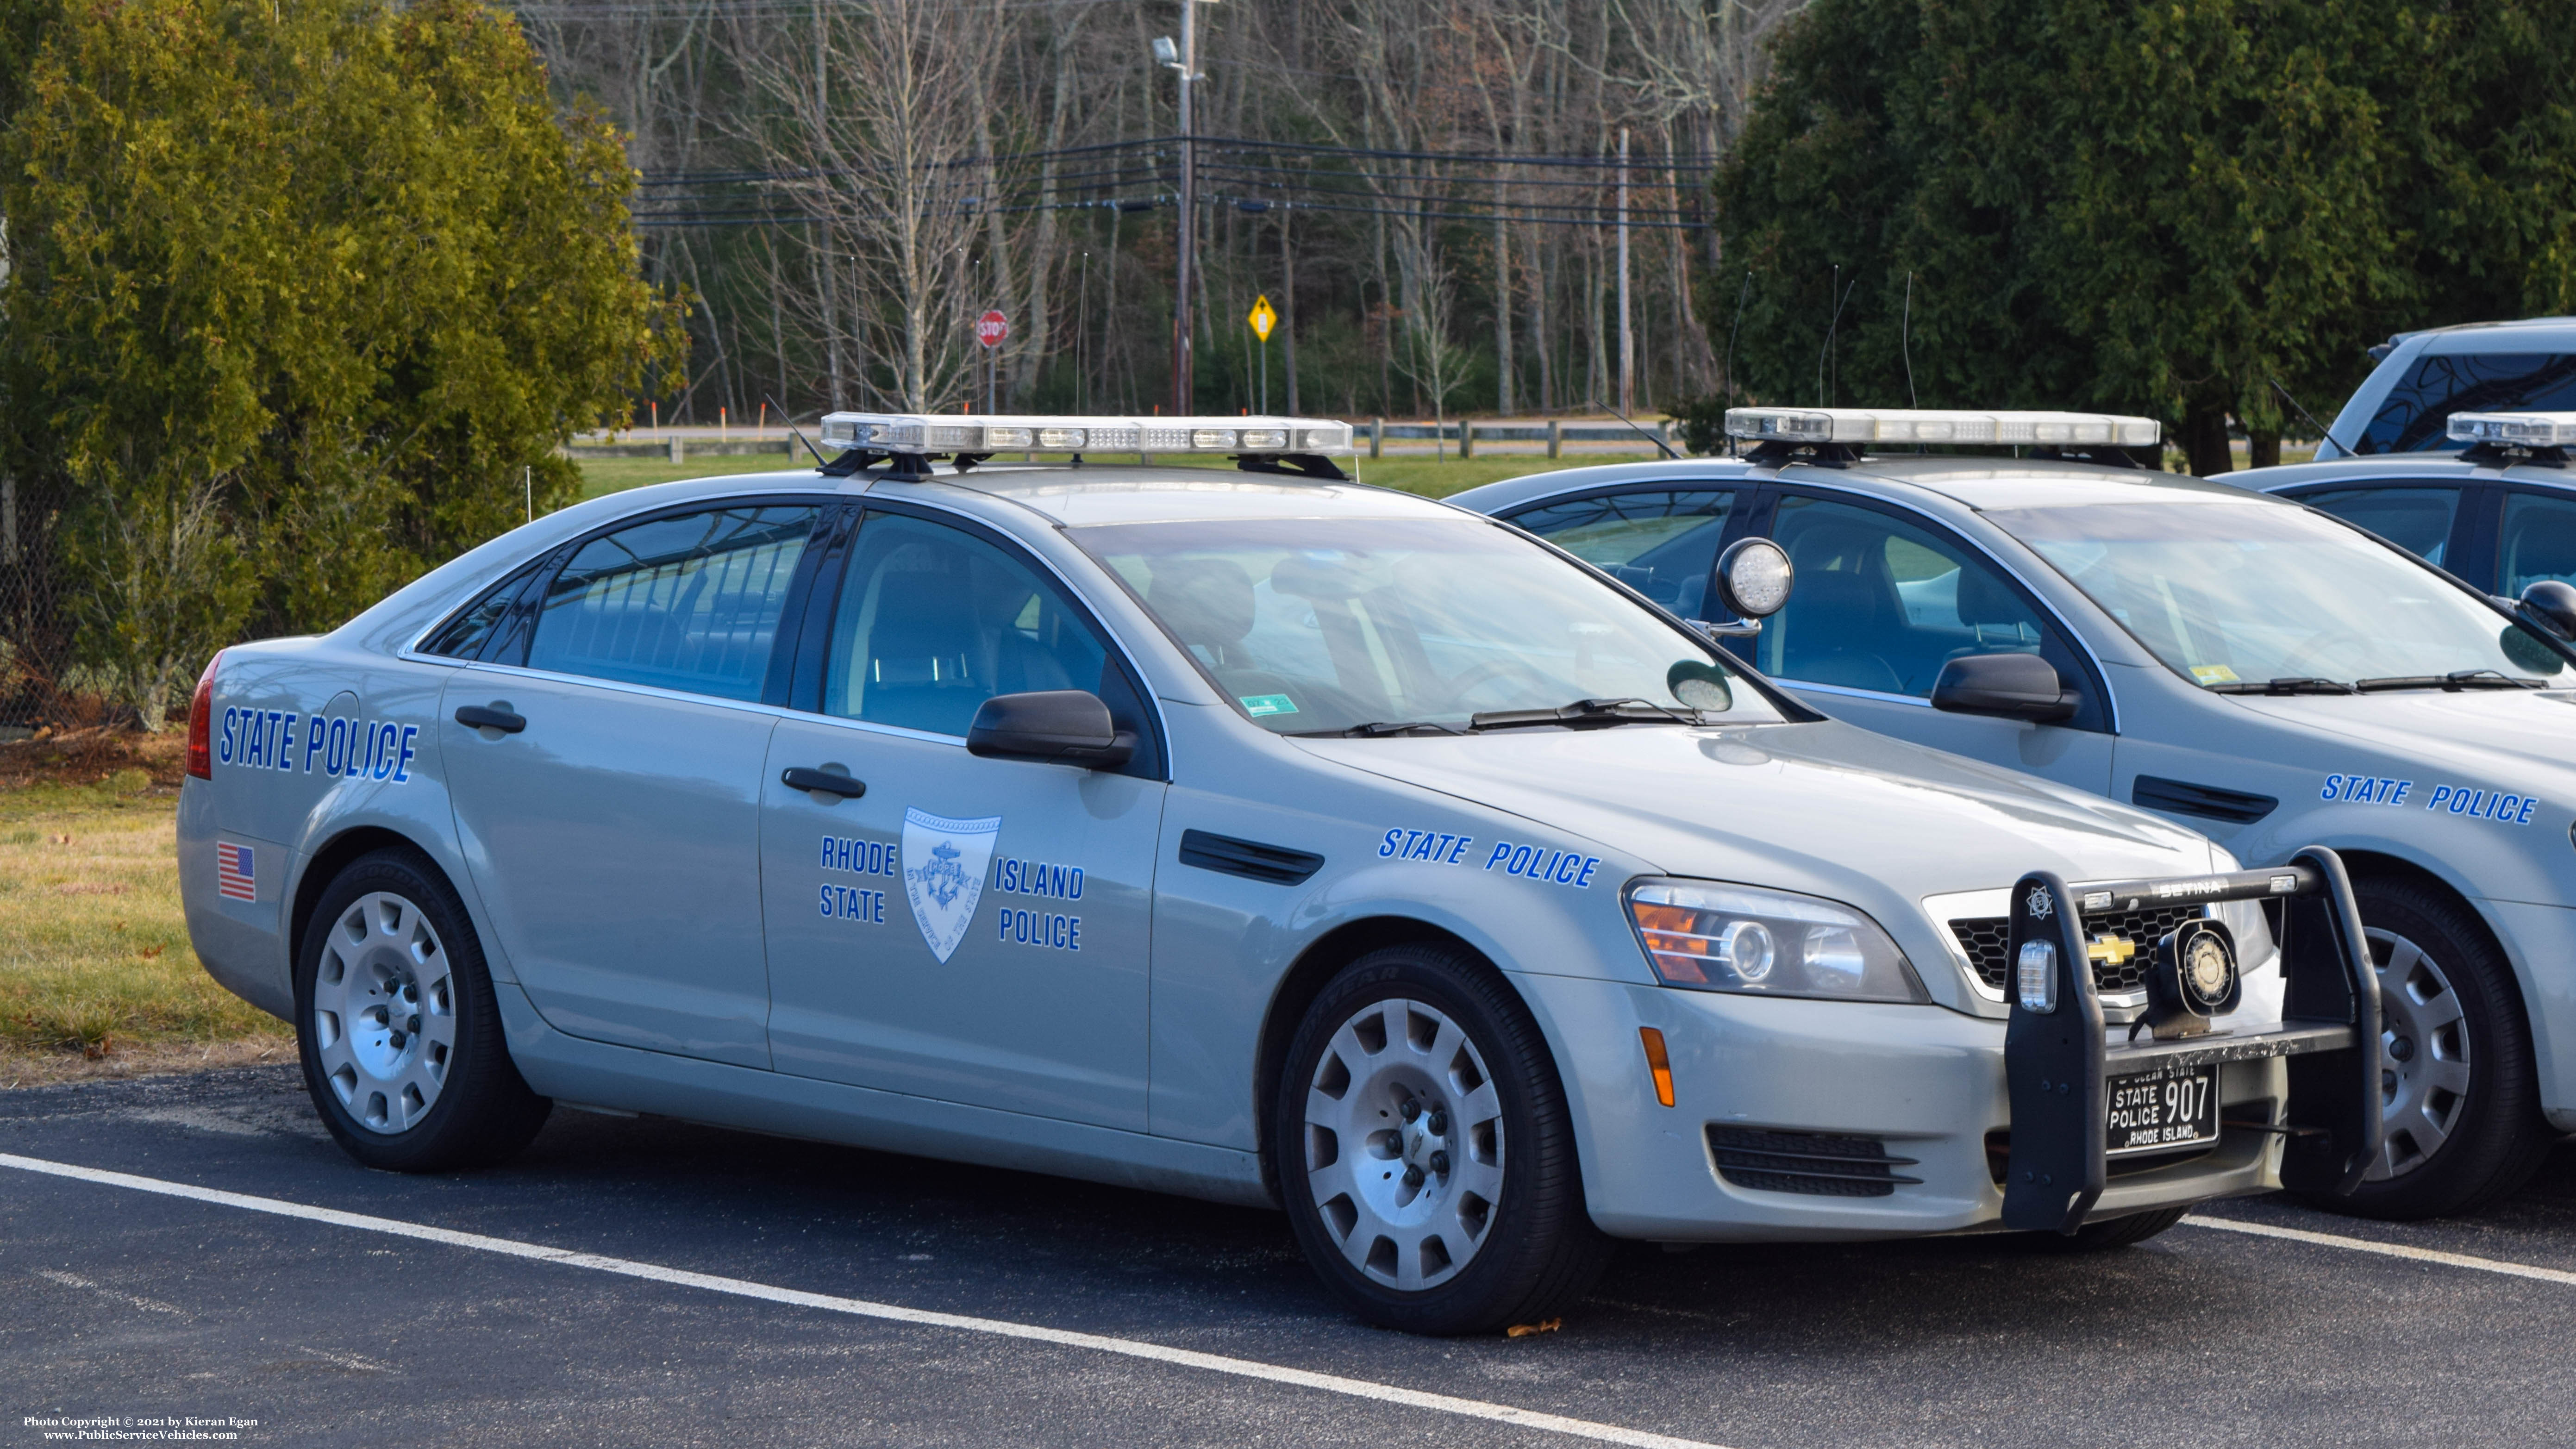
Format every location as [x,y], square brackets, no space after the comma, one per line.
[1709,937]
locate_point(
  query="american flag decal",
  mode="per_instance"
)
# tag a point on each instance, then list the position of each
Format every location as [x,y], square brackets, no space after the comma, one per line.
[234,879]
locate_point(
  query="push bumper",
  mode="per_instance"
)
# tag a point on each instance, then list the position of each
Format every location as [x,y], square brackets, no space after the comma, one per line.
[2062,1068]
[1914,1107]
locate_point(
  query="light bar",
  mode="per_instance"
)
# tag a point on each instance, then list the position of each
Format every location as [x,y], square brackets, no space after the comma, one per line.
[2516,430]
[956,433]
[1928,425]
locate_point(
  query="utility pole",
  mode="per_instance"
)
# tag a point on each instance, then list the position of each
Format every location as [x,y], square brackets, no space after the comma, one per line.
[1627,340]
[1186,233]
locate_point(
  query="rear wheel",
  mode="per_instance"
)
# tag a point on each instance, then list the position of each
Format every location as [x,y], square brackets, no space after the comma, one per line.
[397,1027]
[1425,1150]
[2459,1100]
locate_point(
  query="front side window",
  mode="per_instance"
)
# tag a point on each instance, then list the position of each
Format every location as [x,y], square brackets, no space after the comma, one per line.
[1319,626]
[2539,541]
[1882,604]
[2416,414]
[933,621]
[2248,594]
[2416,518]
[688,603]
[1661,543]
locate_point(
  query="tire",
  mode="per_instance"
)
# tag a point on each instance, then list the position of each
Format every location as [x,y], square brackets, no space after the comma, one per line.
[1418,1064]
[397,1027]
[2460,1099]
[2110,1233]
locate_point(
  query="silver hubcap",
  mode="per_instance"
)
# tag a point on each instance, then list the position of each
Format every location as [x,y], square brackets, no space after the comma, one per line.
[2424,1051]
[1404,1144]
[384,1012]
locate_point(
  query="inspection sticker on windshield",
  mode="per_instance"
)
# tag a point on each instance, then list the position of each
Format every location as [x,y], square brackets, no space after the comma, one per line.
[2213,674]
[1258,705]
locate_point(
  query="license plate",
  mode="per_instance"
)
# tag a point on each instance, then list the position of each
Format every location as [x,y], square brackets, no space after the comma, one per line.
[2161,1111]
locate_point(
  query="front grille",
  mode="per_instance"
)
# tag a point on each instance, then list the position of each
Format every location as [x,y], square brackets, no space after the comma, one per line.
[1815,1163]
[1988,943]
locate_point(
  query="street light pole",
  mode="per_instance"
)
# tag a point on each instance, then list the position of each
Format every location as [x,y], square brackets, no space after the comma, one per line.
[1183,391]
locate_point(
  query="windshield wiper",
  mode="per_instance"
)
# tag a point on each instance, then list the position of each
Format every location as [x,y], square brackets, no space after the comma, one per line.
[1378,729]
[2305,684]
[2451,683]
[1584,711]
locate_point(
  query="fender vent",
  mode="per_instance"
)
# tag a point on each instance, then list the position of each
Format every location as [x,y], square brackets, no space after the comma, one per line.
[1814,1163]
[2181,797]
[1251,859]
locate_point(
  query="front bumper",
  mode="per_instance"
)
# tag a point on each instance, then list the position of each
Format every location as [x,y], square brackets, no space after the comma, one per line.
[1820,1120]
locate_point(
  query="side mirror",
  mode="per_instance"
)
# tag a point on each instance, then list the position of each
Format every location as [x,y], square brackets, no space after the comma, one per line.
[1753,578]
[1060,726]
[2014,686]
[2554,604]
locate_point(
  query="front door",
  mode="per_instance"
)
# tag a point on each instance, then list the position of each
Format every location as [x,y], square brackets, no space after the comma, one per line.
[1880,602]
[967,929]
[614,836]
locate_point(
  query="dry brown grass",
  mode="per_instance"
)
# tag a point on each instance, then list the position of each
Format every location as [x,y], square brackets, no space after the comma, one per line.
[96,977]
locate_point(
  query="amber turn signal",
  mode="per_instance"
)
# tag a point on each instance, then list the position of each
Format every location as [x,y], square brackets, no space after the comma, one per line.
[1658,1063]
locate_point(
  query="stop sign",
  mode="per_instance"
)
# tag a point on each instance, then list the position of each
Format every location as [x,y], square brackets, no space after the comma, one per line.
[991,328]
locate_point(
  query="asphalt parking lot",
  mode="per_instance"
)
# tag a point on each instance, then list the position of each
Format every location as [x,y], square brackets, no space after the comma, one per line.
[640,1281]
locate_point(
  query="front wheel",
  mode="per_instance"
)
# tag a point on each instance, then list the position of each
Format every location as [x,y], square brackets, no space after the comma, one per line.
[397,1027]
[1425,1151]
[2460,1119]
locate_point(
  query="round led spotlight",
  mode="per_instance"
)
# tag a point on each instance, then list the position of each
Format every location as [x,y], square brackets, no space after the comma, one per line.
[2205,968]
[1753,578]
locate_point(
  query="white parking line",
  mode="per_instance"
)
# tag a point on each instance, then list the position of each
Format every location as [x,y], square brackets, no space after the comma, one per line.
[2386,1250]
[860,1307]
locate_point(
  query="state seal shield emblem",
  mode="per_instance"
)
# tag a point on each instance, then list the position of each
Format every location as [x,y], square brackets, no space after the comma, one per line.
[943,874]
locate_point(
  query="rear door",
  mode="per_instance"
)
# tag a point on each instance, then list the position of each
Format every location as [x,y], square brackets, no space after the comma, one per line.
[609,798]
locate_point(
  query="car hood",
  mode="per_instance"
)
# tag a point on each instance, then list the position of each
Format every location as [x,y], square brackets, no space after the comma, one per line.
[2518,740]
[1823,808]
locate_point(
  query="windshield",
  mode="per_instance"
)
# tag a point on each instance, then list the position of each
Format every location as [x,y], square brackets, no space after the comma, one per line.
[1322,626]
[2233,594]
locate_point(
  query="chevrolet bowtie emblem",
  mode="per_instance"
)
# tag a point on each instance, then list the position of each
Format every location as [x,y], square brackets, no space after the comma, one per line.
[2110,950]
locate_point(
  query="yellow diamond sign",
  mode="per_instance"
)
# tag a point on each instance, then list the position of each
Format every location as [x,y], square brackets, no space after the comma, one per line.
[1262,318]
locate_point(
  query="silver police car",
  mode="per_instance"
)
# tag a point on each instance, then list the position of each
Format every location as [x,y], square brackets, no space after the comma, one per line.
[1239,833]
[2264,672]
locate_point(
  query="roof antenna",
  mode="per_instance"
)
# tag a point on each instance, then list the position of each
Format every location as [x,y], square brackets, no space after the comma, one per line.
[1740,294]
[2322,430]
[1906,334]
[791,428]
[1827,349]
[1831,288]
[1641,432]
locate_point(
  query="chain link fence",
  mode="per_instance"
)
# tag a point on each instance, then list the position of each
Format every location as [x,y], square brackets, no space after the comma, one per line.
[40,680]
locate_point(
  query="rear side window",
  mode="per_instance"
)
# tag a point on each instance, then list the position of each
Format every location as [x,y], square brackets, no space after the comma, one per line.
[2417,411]
[467,634]
[2416,519]
[690,603]
[1662,543]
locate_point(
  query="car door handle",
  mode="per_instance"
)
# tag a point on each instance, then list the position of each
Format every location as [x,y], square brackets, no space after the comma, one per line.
[475,716]
[797,777]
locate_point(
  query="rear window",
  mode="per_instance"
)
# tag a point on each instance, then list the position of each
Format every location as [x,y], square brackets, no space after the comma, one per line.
[2418,409]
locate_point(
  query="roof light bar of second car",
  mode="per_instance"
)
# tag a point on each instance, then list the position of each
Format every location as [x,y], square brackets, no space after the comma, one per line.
[1929,425]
